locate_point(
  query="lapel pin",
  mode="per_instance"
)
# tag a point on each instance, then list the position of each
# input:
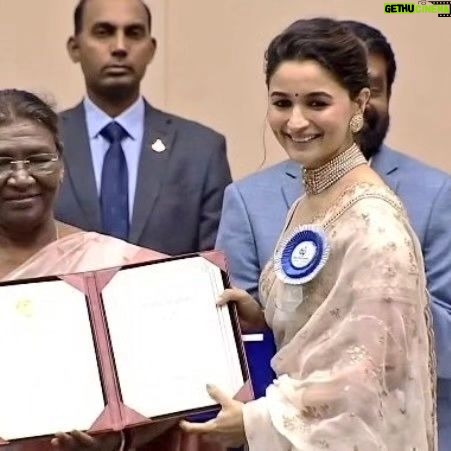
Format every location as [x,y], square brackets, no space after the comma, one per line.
[158,146]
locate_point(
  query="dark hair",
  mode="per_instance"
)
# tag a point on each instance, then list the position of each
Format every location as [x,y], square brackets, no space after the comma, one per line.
[80,9]
[327,42]
[16,104]
[377,44]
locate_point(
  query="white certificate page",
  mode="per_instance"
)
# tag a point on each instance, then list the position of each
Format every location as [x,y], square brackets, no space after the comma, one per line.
[168,336]
[49,380]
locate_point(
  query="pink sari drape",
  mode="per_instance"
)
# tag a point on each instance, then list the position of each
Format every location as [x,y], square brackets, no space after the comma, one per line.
[88,251]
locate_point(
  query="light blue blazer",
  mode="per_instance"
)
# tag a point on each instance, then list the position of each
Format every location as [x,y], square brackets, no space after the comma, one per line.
[253,215]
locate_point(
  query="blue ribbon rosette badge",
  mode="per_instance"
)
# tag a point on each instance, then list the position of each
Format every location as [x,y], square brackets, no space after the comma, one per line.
[301,256]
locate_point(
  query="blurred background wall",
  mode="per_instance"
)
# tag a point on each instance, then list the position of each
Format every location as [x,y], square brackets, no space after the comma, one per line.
[209,66]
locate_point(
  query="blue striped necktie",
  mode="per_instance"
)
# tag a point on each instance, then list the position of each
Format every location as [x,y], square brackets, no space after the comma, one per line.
[114,185]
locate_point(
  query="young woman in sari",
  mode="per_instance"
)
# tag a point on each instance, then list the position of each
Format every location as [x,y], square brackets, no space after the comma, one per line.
[33,244]
[345,291]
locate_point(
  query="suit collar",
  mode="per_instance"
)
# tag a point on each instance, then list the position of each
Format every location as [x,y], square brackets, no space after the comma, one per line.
[159,133]
[131,119]
[292,168]
[78,164]
[386,163]
[292,186]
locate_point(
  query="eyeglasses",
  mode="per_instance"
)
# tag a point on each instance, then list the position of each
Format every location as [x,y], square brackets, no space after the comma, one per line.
[39,164]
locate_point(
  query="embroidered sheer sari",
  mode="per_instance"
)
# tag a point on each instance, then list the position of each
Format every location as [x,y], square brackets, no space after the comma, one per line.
[85,251]
[355,363]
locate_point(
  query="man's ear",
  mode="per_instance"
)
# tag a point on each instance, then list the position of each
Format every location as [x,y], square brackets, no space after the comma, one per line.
[363,98]
[152,50]
[73,49]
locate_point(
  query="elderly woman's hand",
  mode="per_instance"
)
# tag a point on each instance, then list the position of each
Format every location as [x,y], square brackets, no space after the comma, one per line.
[227,428]
[80,441]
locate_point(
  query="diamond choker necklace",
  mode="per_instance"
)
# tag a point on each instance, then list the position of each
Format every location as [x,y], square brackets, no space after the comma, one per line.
[317,180]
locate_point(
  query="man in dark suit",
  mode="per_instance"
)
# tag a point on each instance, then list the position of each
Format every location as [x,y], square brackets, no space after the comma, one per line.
[133,171]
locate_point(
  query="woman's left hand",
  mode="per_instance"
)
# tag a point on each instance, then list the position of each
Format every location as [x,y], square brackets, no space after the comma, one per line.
[227,428]
[80,441]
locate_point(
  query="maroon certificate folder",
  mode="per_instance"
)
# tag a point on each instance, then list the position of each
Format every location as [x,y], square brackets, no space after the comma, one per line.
[117,348]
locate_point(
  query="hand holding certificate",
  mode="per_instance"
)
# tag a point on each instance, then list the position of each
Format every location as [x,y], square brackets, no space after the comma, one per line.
[116,348]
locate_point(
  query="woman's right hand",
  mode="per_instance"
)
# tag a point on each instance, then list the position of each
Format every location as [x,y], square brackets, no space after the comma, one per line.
[249,310]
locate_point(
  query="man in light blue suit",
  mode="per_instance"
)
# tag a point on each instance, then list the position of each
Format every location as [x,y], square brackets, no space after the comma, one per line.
[255,207]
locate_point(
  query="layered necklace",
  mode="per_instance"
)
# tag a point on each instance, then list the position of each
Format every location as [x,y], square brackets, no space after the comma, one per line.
[319,179]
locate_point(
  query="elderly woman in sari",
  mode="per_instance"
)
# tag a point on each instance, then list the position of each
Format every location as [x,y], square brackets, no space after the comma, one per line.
[33,244]
[345,290]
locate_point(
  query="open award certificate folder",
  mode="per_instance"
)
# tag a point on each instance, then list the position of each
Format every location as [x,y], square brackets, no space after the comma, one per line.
[117,348]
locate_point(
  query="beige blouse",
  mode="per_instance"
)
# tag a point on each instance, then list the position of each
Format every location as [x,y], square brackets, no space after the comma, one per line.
[355,363]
